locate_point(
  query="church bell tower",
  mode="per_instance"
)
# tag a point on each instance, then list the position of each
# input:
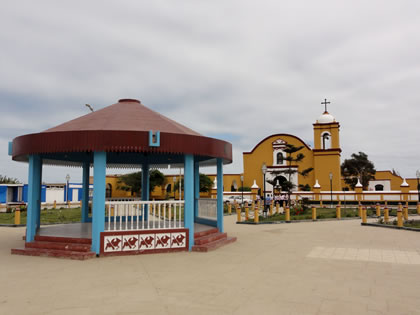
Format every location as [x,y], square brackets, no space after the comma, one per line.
[327,151]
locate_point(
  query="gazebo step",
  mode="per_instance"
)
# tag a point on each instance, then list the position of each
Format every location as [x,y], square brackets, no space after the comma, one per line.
[210,238]
[213,245]
[53,253]
[206,232]
[59,246]
[61,239]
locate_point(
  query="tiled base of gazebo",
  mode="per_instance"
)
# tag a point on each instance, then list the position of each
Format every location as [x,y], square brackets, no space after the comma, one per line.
[73,241]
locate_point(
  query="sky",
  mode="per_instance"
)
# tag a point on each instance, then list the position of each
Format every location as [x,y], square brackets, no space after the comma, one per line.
[234,70]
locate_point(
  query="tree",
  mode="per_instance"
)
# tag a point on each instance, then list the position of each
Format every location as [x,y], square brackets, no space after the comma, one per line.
[8,180]
[132,181]
[205,183]
[292,157]
[358,167]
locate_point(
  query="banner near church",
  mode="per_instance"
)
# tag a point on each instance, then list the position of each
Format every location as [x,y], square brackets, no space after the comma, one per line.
[143,242]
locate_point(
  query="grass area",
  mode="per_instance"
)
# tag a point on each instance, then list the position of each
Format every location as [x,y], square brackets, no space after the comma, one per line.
[47,216]
[409,223]
[321,213]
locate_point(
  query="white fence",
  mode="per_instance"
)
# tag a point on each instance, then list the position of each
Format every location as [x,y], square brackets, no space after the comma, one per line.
[207,208]
[144,215]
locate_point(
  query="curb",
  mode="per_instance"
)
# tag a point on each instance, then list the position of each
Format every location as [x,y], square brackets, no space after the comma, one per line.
[391,227]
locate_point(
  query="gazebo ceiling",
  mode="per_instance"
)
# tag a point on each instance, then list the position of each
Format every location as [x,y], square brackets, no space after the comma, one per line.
[123,130]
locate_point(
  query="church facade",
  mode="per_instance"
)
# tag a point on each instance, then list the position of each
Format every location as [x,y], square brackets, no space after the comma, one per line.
[324,158]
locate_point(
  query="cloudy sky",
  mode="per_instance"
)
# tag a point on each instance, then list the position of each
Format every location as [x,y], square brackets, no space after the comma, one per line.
[235,70]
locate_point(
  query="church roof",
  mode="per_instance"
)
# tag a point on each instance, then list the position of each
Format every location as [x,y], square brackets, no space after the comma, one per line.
[326,118]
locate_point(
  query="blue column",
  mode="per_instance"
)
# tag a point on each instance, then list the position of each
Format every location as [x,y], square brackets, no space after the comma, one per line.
[34,196]
[98,209]
[196,187]
[189,197]
[220,195]
[85,192]
[145,188]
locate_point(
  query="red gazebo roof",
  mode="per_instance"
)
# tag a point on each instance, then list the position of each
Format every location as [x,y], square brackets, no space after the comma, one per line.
[121,127]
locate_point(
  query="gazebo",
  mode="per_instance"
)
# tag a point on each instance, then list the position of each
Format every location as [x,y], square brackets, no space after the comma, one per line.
[128,135]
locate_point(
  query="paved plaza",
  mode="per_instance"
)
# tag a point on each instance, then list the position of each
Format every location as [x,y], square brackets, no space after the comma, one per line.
[300,268]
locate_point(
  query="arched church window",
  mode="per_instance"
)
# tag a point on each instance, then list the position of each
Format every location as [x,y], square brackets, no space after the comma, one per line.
[379,187]
[326,141]
[280,158]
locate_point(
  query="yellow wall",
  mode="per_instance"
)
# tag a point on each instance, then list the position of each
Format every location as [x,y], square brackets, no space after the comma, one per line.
[116,193]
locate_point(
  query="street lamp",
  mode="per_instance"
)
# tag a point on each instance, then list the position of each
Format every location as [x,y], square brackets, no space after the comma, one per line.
[331,177]
[67,190]
[242,189]
[264,170]
[418,184]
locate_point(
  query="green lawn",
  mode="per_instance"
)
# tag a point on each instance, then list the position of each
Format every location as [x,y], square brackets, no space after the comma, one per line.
[47,216]
[321,213]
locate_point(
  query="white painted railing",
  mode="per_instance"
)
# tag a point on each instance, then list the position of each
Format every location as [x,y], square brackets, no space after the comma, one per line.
[143,215]
[207,208]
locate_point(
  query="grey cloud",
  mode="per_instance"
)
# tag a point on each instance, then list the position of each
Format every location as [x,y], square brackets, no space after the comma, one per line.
[231,67]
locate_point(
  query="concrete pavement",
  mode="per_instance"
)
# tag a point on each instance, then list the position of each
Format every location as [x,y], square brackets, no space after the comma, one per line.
[300,268]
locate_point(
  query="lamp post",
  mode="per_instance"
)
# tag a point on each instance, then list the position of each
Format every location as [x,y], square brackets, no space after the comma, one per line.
[264,170]
[331,177]
[67,189]
[242,189]
[418,184]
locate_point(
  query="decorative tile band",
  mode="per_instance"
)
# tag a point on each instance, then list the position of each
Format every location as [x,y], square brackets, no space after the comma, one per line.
[140,241]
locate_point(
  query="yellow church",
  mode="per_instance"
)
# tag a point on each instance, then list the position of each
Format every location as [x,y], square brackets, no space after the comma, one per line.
[324,158]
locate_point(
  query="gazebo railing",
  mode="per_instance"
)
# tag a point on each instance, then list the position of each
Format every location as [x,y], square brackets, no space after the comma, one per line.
[143,215]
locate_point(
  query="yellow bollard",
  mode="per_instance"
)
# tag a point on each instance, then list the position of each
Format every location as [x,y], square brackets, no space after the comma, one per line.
[229,208]
[238,213]
[17,216]
[360,210]
[364,216]
[55,204]
[287,214]
[313,213]
[256,215]
[399,218]
[378,210]
[405,213]
[338,212]
[246,212]
[418,207]
[386,214]
[277,208]
[271,209]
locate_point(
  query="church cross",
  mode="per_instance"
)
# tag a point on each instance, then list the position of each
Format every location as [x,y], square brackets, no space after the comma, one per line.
[325,103]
